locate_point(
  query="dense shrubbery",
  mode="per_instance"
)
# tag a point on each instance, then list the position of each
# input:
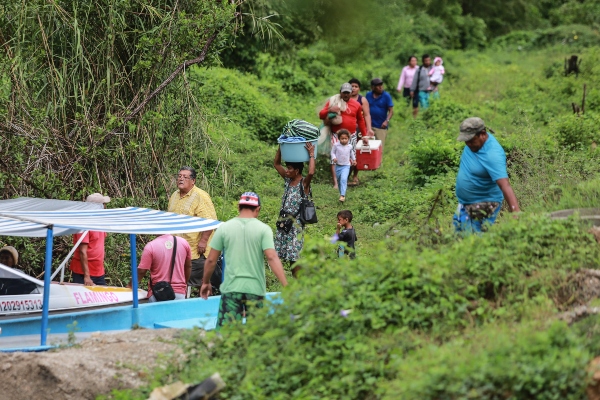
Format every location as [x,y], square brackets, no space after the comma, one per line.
[577,132]
[574,36]
[529,362]
[349,326]
[242,98]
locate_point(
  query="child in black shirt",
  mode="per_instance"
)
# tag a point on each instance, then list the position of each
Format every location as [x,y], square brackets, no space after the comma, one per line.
[345,233]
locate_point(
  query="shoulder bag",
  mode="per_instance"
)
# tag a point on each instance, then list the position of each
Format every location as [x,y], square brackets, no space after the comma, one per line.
[163,291]
[308,211]
[418,79]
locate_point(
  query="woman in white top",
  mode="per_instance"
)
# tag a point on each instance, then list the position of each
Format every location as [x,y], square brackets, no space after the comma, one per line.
[406,78]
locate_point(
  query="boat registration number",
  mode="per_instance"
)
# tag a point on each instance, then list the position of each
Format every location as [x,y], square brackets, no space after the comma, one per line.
[21,305]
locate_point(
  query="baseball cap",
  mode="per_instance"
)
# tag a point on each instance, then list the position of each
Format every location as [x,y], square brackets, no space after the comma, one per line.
[469,128]
[249,199]
[346,87]
[97,198]
[376,81]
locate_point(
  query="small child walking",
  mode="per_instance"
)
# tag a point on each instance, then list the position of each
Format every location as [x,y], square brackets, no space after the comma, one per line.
[345,233]
[343,156]
[436,76]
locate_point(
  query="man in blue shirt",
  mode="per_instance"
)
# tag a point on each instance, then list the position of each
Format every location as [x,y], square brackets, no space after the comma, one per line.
[482,181]
[382,109]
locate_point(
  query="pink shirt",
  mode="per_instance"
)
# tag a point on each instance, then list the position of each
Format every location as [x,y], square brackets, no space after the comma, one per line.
[406,77]
[157,258]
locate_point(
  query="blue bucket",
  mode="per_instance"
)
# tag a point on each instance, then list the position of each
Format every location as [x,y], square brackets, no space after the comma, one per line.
[295,151]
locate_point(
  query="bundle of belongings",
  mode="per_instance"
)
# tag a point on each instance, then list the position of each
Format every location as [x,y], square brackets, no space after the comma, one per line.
[298,130]
[335,118]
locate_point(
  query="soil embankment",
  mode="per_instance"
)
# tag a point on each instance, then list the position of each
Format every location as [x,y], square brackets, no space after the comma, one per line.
[94,366]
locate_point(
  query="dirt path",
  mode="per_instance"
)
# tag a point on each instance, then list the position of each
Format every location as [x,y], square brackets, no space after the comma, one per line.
[95,366]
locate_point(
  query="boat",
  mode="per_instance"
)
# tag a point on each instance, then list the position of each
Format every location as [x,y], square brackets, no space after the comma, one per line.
[30,217]
[22,294]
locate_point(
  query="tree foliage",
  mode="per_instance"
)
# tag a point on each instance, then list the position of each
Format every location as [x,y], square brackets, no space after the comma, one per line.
[82,79]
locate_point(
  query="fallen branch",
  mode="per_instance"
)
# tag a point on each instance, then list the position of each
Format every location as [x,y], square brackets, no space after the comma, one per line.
[578,313]
[171,77]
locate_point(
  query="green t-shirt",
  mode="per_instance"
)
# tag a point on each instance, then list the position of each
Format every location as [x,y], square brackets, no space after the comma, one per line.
[244,240]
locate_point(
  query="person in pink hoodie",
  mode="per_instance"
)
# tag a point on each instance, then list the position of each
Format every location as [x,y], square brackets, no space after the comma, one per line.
[436,76]
[406,78]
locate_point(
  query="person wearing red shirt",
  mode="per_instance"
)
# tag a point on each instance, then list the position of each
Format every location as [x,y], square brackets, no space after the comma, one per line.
[352,117]
[87,265]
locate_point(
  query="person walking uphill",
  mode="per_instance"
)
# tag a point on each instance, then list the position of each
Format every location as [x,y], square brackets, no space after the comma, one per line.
[289,238]
[343,157]
[191,200]
[246,242]
[352,116]
[420,88]
[406,78]
[482,181]
[382,109]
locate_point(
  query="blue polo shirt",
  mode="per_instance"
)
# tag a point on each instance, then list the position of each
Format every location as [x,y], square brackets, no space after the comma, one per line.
[478,173]
[379,108]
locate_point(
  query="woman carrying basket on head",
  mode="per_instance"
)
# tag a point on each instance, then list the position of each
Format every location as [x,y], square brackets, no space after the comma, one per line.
[289,239]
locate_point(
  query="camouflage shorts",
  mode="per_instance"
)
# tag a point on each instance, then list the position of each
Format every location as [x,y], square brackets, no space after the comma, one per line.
[235,306]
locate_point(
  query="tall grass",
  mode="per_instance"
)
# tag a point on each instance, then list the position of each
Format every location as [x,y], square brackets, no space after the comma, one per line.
[77,73]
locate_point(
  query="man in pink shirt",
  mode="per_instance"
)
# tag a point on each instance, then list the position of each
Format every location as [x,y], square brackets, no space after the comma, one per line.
[156,258]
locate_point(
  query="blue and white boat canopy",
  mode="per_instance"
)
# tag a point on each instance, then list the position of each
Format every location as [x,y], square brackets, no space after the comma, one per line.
[28,217]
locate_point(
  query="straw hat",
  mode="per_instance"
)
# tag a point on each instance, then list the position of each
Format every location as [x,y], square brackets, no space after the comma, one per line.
[13,252]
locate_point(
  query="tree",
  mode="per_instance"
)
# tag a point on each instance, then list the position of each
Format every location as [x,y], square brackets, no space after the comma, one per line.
[95,92]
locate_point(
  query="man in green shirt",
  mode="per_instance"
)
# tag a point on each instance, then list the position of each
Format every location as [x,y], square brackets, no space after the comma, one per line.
[247,241]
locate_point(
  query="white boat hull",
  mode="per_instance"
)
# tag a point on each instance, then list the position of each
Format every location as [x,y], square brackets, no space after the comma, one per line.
[67,297]
[22,294]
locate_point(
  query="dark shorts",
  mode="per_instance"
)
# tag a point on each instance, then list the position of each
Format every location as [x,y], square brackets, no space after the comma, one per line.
[234,306]
[406,95]
[78,278]
[198,273]
[421,98]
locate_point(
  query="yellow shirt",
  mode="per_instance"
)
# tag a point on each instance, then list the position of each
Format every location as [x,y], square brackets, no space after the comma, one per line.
[196,203]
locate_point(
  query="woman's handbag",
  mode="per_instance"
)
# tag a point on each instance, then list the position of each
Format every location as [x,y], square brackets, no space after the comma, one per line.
[308,211]
[163,291]
[285,222]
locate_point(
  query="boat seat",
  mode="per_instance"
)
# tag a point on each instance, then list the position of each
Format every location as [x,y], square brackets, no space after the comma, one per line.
[16,286]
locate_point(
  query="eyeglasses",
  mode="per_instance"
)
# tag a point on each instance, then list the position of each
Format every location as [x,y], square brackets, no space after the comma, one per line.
[184,177]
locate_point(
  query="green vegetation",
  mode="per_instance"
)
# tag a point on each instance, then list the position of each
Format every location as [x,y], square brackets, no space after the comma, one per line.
[421,313]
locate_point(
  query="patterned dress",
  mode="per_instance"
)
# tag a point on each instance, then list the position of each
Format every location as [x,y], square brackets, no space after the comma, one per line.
[288,245]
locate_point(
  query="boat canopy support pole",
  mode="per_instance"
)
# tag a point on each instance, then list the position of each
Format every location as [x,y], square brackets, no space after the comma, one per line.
[47,283]
[134,275]
[61,267]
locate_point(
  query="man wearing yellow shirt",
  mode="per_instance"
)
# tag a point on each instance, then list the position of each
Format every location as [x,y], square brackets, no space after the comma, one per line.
[193,201]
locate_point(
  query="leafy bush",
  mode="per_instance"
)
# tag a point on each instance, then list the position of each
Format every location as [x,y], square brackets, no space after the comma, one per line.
[497,363]
[577,36]
[577,132]
[445,112]
[434,154]
[344,321]
[257,106]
